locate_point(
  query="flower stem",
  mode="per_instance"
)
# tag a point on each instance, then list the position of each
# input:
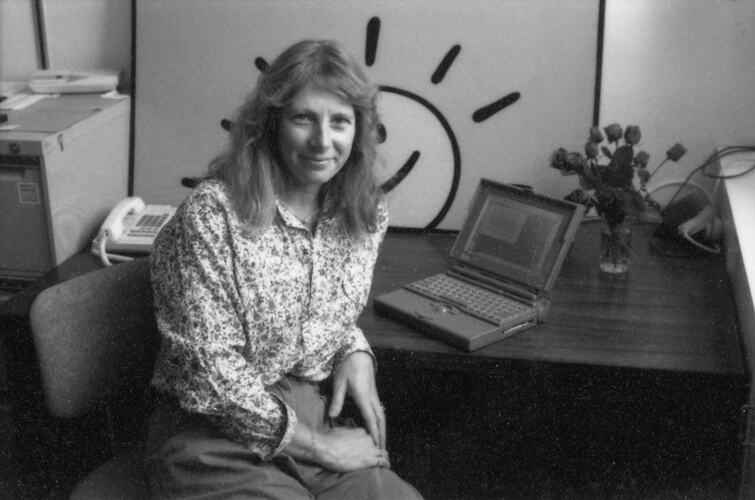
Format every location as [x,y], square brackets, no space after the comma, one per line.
[657,168]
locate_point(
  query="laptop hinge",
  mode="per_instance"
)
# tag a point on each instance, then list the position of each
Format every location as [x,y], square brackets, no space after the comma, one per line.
[517,291]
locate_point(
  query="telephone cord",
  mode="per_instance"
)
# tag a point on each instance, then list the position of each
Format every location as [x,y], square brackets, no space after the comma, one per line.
[105,257]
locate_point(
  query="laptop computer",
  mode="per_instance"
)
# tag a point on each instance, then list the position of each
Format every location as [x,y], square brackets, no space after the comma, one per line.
[502,267]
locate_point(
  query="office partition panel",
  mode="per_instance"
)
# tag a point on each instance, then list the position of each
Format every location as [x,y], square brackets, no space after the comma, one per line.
[469,88]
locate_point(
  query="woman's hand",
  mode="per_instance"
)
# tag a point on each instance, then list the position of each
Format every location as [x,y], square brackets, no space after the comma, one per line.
[356,376]
[340,449]
[344,449]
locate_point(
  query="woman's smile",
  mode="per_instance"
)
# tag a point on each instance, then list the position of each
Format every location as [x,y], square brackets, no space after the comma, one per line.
[320,162]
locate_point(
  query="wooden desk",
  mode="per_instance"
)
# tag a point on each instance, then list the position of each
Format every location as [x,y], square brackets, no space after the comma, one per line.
[667,314]
[632,388]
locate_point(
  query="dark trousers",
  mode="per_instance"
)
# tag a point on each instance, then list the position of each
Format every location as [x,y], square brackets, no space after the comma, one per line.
[187,457]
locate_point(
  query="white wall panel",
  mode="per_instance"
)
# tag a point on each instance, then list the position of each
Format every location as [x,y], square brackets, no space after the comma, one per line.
[196,61]
[89,34]
[18,43]
[684,71]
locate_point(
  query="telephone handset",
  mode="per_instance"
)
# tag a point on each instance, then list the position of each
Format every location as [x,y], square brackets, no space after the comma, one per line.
[130,227]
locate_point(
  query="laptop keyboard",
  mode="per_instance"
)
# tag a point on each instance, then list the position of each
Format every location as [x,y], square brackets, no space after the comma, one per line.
[473,299]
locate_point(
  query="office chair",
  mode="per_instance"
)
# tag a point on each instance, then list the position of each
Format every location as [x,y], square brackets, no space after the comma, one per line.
[96,340]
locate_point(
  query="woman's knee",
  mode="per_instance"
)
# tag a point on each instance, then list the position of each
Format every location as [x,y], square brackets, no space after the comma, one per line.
[375,483]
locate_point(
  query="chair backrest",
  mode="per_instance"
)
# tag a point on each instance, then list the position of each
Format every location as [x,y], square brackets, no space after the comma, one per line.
[96,339]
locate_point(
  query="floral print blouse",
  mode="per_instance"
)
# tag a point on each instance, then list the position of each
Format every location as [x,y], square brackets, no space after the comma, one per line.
[236,313]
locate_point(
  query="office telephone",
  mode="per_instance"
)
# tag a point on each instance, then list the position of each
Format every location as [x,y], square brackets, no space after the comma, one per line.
[131,227]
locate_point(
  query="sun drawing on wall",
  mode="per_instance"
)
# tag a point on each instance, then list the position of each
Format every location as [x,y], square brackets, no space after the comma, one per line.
[401,171]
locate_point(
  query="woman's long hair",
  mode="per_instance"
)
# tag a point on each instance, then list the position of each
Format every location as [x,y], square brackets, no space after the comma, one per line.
[251,166]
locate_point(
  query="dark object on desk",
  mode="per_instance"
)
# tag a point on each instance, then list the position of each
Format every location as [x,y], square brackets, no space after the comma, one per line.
[673,238]
[504,263]
[96,339]
[3,117]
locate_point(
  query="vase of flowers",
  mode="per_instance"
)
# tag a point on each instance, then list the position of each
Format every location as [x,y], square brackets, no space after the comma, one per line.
[613,180]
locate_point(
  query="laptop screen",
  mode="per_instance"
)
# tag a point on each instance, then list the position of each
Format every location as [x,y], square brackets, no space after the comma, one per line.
[514,234]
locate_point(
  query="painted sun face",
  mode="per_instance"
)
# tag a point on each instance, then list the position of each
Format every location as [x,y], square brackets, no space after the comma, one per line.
[315,137]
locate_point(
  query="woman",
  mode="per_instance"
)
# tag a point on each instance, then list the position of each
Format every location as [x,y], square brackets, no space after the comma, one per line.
[258,282]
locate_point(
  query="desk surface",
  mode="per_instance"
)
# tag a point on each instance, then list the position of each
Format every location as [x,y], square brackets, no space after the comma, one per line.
[667,314]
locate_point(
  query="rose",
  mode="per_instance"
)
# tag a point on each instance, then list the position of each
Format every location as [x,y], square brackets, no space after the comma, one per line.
[558,159]
[595,135]
[567,162]
[677,151]
[632,134]
[641,159]
[578,196]
[643,175]
[613,132]
[575,162]
[674,154]
[592,150]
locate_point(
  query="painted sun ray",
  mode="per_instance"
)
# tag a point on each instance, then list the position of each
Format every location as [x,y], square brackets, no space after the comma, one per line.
[445,64]
[261,64]
[371,42]
[489,110]
[396,179]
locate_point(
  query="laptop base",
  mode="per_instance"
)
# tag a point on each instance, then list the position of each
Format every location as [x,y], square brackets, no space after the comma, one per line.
[444,321]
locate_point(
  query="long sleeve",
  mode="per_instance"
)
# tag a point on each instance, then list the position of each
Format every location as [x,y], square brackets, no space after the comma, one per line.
[201,318]
[356,285]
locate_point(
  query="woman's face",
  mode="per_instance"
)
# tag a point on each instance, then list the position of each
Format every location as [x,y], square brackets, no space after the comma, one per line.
[315,136]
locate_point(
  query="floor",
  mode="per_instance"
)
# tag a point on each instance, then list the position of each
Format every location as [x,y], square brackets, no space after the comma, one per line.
[33,464]
[554,433]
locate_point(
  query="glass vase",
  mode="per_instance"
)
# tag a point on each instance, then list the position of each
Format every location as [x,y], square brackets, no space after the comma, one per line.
[616,247]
